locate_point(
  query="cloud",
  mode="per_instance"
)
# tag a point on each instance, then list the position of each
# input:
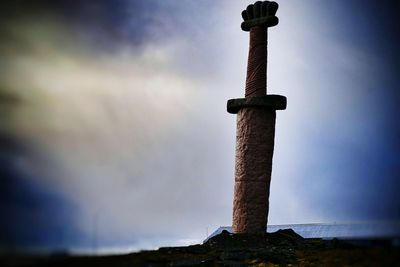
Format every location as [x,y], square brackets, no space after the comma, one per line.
[124,134]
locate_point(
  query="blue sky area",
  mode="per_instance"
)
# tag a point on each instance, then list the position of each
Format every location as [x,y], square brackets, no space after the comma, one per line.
[114,134]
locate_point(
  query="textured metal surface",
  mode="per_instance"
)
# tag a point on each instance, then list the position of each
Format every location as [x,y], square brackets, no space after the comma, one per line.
[253,165]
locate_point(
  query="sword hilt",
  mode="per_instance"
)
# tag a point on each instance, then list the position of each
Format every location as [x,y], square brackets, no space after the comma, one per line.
[257,18]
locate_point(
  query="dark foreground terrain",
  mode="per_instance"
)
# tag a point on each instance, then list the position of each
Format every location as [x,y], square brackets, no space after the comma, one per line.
[283,248]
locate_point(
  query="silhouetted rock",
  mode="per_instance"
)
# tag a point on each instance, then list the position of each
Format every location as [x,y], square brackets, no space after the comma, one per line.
[282,248]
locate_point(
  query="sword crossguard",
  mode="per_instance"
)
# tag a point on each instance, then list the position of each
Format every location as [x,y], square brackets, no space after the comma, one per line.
[260,14]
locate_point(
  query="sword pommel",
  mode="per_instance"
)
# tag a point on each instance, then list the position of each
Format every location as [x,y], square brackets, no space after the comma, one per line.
[260,14]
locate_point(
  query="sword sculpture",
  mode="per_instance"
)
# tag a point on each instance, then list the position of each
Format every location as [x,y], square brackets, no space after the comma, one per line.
[255,126]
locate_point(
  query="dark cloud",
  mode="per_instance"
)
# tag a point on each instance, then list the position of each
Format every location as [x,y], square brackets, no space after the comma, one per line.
[33,215]
[112,23]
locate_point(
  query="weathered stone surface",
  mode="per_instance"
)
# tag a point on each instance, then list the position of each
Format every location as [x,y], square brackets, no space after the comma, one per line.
[256,79]
[255,192]
[260,14]
[253,164]
[250,217]
[274,102]
[255,126]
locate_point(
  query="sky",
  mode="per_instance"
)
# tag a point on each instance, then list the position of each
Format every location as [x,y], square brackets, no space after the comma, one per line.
[114,134]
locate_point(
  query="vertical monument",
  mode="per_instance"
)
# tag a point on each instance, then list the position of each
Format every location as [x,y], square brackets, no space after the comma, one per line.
[255,126]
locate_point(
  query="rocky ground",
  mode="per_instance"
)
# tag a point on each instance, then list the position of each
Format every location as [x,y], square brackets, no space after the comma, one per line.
[283,248]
